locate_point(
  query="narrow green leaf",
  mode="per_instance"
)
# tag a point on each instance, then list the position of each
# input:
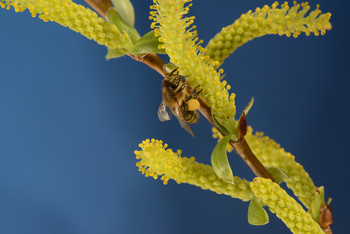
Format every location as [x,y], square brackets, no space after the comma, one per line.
[220,162]
[257,215]
[115,53]
[117,20]
[250,104]
[316,204]
[220,126]
[227,127]
[148,43]
[278,174]
[125,10]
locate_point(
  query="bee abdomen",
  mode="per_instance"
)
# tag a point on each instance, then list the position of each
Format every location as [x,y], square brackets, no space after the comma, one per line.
[191,117]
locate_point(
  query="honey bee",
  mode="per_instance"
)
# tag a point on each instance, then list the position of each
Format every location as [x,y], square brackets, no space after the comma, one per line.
[181,99]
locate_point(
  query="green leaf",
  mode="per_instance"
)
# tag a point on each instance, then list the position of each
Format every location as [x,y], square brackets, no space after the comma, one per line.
[220,126]
[227,127]
[117,20]
[316,204]
[278,174]
[115,53]
[148,43]
[220,162]
[257,215]
[125,10]
[250,104]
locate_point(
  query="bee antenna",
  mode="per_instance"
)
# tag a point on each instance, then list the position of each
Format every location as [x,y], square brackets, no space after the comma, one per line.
[171,73]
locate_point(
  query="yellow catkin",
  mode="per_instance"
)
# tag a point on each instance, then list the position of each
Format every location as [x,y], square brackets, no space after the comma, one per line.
[72,15]
[284,20]
[285,207]
[179,36]
[270,154]
[157,161]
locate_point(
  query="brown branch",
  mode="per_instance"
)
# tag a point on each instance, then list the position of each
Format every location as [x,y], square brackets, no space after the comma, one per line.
[155,62]
[100,6]
[151,60]
[243,150]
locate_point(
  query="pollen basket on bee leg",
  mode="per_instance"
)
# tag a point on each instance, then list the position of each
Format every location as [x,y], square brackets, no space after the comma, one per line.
[193,105]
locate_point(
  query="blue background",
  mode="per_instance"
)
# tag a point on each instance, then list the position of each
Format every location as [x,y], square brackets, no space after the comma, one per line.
[70,122]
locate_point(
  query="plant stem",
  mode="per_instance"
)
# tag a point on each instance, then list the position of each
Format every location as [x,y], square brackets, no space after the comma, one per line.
[100,6]
[151,60]
[243,150]
[155,62]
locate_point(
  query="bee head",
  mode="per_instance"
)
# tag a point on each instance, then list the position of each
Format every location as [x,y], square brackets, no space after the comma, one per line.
[169,84]
[173,83]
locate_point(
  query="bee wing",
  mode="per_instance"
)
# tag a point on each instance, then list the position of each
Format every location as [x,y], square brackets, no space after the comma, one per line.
[163,114]
[180,117]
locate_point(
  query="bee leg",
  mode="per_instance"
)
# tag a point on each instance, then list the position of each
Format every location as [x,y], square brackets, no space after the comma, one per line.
[196,93]
[188,98]
[184,106]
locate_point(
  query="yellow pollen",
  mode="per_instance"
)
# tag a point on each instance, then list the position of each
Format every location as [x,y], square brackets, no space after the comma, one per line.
[193,105]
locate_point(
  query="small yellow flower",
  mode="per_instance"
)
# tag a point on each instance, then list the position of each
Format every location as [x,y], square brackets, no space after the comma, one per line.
[268,20]
[72,15]
[284,206]
[156,160]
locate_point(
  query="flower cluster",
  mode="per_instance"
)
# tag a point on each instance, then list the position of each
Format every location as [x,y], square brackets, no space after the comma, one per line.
[268,20]
[72,15]
[181,43]
[270,154]
[284,206]
[156,160]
